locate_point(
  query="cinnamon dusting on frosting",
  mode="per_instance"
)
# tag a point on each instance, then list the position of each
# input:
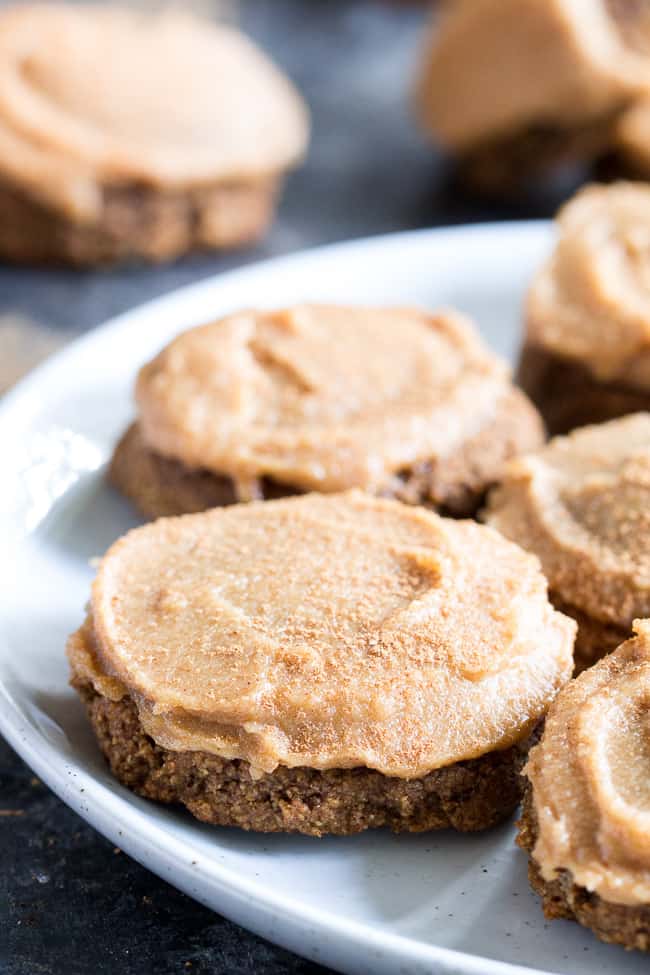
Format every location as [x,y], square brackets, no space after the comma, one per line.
[327,631]
[582,505]
[319,397]
[591,777]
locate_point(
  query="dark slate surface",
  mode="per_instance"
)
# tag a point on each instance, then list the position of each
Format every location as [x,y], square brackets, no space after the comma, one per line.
[69,902]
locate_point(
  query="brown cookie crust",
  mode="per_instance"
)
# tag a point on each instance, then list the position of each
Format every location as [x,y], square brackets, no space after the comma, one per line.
[467,796]
[568,396]
[562,899]
[160,486]
[506,165]
[594,639]
[137,222]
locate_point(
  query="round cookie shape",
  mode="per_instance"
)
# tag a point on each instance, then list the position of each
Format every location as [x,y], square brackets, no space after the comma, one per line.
[326,632]
[581,504]
[590,304]
[589,804]
[514,85]
[328,398]
[167,100]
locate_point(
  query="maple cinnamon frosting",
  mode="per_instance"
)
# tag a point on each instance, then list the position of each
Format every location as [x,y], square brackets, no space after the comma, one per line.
[327,398]
[327,632]
[496,73]
[582,505]
[587,350]
[590,780]
[164,104]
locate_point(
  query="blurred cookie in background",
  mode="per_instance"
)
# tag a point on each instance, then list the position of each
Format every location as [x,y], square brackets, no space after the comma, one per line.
[517,88]
[586,354]
[133,135]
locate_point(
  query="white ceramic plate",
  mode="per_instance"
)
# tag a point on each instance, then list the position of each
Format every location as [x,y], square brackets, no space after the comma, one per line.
[376,903]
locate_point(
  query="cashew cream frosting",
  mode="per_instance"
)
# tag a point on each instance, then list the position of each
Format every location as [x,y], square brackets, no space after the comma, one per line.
[319,397]
[327,631]
[581,504]
[99,95]
[492,67]
[591,777]
[591,301]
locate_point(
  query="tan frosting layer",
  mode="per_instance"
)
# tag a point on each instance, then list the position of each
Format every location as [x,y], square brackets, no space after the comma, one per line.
[327,631]
[319,397]
[582,505]
[492,67]
[591,777]
[97,95]
[633,136]
[591,301]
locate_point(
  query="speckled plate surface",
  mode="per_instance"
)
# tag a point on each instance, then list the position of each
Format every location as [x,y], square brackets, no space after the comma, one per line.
[370,904]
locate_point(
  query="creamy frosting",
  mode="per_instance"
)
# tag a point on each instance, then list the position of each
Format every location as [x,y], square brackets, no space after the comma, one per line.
[492,67]
[582,505]
[91,96]
[591,301]
[591,777]
[327,631]
[319,397]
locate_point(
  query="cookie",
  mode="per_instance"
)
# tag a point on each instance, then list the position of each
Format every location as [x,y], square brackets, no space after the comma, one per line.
[397,402]
[581,504]
[586,354]
[585,810]
[321,664]
[137,135]
[514,88]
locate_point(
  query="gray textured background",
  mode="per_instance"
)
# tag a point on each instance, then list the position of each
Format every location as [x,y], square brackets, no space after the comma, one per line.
[69,903]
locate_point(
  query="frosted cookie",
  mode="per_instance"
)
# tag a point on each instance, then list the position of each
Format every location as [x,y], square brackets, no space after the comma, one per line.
[582,506]
[126,134]
[262,404]
[585,818]
[321,664]
[512,87]
[586,355]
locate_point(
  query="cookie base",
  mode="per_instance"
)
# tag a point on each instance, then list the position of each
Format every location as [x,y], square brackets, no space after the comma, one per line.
[594,639]
[468,796]
[506,165]
[161,486]
[568,396]
[137,222]
[619,924]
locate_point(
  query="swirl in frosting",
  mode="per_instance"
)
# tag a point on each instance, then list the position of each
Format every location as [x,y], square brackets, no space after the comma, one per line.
[591,777]
[582,505]
[320,397]
[591,301]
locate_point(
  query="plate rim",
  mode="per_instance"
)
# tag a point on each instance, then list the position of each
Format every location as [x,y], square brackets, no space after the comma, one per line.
[111,810]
